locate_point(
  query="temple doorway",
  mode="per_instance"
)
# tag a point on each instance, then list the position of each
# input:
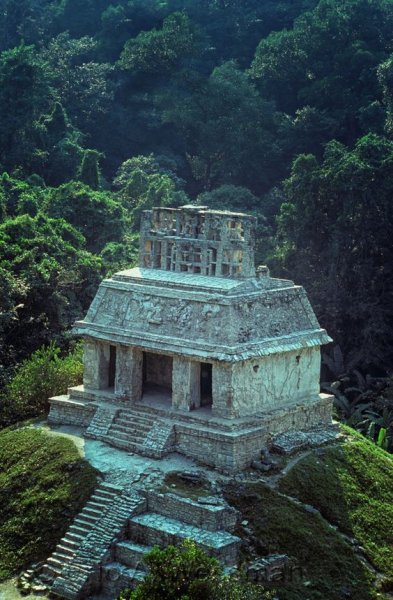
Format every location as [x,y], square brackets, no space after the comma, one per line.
[157,373]
[206,384]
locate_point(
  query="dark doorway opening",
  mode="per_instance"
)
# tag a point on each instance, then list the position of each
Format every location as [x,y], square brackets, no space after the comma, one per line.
[157,372]
[206,384]
[112,366]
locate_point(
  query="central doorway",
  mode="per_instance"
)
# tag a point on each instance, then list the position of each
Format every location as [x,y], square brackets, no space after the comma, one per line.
[157,373]
[206,384]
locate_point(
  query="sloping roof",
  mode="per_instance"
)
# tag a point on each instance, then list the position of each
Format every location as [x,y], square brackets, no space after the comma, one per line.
[202,317]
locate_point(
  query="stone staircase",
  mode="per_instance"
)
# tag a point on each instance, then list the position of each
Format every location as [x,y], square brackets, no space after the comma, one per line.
[73,571]
[137,431]
[102,551]
[129,430]
[158,526]
[84,522]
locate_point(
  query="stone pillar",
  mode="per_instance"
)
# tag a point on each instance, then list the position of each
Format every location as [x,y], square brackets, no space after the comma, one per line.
[128,380]
[223,391]
[186,385]
[96,365]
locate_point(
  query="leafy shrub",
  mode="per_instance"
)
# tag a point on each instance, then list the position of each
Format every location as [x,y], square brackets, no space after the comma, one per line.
[188,573]
[37,378]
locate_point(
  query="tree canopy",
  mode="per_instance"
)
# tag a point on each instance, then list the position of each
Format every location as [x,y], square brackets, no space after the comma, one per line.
[282,109]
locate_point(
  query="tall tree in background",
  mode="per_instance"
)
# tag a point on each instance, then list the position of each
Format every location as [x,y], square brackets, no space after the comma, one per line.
[25,93]
[228,130]
[336,239]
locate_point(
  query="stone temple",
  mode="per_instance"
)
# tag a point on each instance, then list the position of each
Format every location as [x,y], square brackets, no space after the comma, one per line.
[195,351]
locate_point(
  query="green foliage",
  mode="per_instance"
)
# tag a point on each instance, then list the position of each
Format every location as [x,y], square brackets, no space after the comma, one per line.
[97,215]
[328,61]
[43,485]
[228,129]
[36,379]
[350,484]
[142,184]
[158,51]
[118,256]
[352,487]
[59,147]
[89,171]
[24,93]
[51,282]
[188,573]
[335,240]
[385,76]
[230,197]
[82,82]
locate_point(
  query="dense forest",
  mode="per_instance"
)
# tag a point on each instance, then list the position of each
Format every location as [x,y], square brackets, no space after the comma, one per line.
[282,109]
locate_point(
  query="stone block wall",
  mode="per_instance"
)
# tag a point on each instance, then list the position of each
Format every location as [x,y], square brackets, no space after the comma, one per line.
[235,451]
[270,382]
[213,518]
[64,411]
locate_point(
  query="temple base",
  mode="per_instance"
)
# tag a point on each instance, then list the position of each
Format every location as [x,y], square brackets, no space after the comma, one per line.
[152,427]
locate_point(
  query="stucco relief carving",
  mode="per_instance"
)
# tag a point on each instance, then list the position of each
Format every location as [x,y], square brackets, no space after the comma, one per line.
[113,308]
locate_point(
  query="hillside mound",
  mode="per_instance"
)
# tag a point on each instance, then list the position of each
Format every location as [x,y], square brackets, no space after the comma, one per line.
[43,484]
[330,510]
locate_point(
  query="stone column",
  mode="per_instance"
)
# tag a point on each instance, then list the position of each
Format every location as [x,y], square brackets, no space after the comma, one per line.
[96,365]
[223,391]
[186,385]
[128,380]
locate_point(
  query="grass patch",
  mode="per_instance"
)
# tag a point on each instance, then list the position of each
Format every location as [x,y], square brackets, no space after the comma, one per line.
[352,486]
[173,483]
[328,564]
[43,484]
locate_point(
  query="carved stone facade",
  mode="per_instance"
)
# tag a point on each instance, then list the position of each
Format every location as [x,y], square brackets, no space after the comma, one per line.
[225,354]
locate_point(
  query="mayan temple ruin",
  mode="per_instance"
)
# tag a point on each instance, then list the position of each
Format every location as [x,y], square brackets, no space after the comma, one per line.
[195,351]
[195,365]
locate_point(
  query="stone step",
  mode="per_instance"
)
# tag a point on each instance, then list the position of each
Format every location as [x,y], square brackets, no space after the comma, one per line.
[132,436]
[79,521]
[76,530]
[55,564]
[61,556]
[93,509]
[208,512]
[109,487]
[117,577]
[134,420]
[122,444]
[89,518]
[69,544]
[104,495]
[97,503]
[154,529]
[64,549]
[134,417]
[82,525]
[131,554]
[141,431]
[75,537]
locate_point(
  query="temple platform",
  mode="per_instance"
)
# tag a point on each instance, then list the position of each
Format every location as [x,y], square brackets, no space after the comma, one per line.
[152,427]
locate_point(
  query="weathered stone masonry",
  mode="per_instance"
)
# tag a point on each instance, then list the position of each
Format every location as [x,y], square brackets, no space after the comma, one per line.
[217,353]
